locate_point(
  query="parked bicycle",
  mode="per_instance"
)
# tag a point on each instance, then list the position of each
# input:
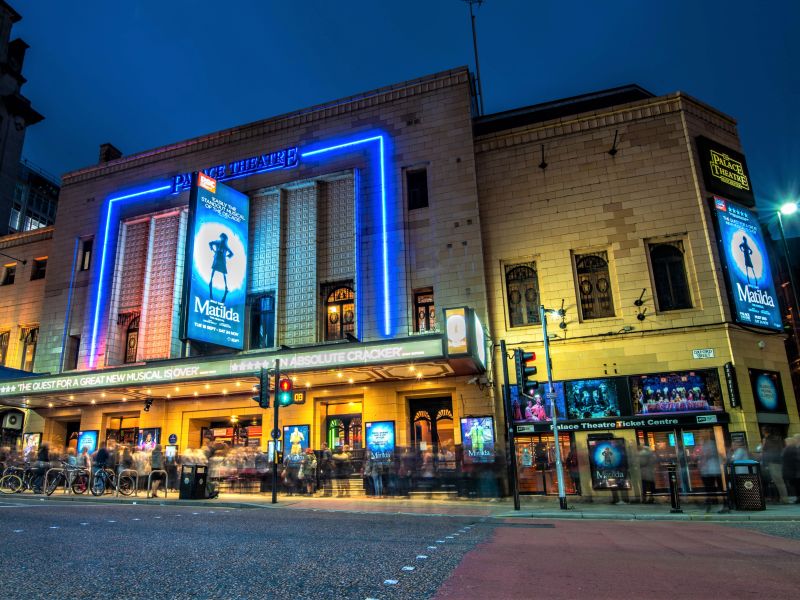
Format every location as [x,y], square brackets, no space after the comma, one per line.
[106,480]
[69,476]
[17,479]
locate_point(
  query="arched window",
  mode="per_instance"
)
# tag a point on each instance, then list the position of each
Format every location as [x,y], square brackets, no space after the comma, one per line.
[340,313]
[132,340]
[522,293]
[29,340]
[669,274]
[594,285]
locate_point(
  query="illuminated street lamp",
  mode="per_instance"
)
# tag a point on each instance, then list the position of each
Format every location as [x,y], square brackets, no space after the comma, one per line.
[789,208]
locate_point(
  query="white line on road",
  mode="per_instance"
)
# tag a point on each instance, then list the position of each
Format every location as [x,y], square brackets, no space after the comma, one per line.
[390,582]
[53,526]
[408,568]
[422,556]
[431,547]
[18,530]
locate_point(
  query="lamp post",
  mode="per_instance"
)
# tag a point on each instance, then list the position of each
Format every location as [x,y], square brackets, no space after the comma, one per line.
[789,209]
[562,496]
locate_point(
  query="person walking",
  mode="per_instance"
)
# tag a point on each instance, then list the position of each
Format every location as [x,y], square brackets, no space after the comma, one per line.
[325,468]
[42,464]
[647,472]
[710,471]
[156,464]
[771,460]
[308,471]
[790,467]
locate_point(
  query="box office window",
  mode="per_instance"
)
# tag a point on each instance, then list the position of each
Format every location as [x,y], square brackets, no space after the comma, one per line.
[669,275]
[424,310]
[522,294]
[262,321]
[417,188]
[594,285]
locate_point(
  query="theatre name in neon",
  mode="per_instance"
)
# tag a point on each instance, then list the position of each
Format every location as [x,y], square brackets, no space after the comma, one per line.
[728,170]
[287,158]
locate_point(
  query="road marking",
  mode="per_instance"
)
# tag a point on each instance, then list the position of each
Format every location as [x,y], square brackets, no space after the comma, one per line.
[156,517]
[441,542]
[195,513]
[422,556]
[18,530]
[84,523]
[53,526]
[449,537]
[110,521]
[408,568]
[137,519]
[390,582]
[431,547]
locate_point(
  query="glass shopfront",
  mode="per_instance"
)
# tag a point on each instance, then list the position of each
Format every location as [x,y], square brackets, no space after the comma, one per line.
[536,464]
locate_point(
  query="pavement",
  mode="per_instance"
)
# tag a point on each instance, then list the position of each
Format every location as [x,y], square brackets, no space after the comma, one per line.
[531,507]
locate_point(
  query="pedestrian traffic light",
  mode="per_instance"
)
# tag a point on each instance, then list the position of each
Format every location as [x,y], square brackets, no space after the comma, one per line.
[262,390]
[285,394]
[526,370]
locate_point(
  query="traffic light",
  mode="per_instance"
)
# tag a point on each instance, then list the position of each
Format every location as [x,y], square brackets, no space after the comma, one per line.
[526,370]
[285,394]
[262,391]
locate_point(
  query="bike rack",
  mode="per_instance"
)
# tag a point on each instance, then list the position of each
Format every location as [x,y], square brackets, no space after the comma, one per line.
[135,484]
[166,481]
[47,475]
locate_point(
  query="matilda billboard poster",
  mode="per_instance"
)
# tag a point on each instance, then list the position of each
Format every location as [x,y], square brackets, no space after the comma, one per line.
[608,462]
[748,272]
[215,285]
[477,439]
[380,440]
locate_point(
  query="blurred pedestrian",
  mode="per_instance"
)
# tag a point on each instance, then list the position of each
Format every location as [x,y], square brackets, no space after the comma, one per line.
[42,464]
[342,466]
[647,471]
[710,471]
[308,471]
[771,460]
[790,467]
[325,469]
[157,471]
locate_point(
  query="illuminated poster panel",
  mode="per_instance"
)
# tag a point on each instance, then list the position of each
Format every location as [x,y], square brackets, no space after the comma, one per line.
[296,438]
[148,438]
[767,391]
[477,439]
[680,392]
[608,462]
[215,286]
[381,440]
[88,440]
[744,253]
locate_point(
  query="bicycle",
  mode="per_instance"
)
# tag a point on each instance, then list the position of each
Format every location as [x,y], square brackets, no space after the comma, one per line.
[70,476]
[18,479]
[105,479]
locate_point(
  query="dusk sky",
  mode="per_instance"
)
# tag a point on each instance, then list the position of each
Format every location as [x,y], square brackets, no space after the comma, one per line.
[143,74]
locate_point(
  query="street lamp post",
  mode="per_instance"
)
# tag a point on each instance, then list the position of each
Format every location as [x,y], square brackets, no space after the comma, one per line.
[562,496]
[788,209]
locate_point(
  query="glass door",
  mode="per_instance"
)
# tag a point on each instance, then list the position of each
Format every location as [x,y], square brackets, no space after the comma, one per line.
[536,465]
[698,453]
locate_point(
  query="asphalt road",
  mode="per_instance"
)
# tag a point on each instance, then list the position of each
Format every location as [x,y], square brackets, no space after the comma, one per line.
[52,549]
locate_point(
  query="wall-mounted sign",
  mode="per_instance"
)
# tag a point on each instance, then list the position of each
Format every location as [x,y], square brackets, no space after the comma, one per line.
[260,163]
[465,335]
[380,440]
[626,423]
[477,439]
[296,439]
[215,281]
[732,384]
[88,440]
[725,171]
[767,391]
[703,353]
[30,445]
[417,348]
[608,462]
[743,250]
[455,320]
[173,439]
[148,438]
[677,392]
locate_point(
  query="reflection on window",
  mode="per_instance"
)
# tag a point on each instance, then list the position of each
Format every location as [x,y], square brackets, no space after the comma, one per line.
[4,338]
[594,285]
[522,293]
[340,313]
[39,268]
[417,188]
[30,338]
[424,310]
[669,274]
[9,274]
[132,340]
[262,321]
[86,254]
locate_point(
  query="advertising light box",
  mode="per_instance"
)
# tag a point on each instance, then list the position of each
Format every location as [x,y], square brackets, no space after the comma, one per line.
[748,273]
[296,438]
[608,462]
[767,391]
[215,282]
[88,440]
[477,439]
[381,440]
[678,392]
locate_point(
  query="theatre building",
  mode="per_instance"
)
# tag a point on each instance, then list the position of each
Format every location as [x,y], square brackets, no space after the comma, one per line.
[330,241]
[630,217]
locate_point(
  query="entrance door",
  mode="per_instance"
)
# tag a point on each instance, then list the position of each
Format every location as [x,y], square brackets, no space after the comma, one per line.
[432,429]
[343,430]
[536,464]
[686,448]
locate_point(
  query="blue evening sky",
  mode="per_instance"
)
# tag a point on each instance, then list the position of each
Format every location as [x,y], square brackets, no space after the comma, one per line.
[144,73]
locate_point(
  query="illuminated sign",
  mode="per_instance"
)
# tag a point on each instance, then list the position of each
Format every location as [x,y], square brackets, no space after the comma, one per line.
[215,279]
[677,420]
[608,463]
[725,171]
[465,335]
[477,439]
[260,163]
[380,440]
[340,356]
[744,252]
[456,327]
[767,391]
[88,440]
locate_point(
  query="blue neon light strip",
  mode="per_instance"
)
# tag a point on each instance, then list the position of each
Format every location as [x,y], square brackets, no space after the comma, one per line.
[385,244]
[101,276]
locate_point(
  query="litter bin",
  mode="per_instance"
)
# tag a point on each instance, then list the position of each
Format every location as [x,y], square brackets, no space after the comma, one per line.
[193,482]
[745,487]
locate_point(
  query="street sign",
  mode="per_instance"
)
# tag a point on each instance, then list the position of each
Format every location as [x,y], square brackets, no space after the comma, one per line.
[552,397]
[276,434]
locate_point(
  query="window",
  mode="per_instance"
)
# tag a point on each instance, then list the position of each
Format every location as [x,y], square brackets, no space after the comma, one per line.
[262,321]
[132,340]
[86,254]
[39,268]
[522,293]
[4,338]
[424,310]
[30,336]
[594,285]
[9,274]
[73,347]
[340,312]
[417,188]
[669,274]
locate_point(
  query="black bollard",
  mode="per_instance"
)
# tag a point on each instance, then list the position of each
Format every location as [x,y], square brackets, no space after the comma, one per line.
[674,494]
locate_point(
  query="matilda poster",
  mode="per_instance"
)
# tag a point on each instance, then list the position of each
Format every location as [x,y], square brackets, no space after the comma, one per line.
[608,462]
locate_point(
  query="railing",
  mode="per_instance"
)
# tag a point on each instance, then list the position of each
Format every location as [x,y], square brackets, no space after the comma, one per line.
[135,483]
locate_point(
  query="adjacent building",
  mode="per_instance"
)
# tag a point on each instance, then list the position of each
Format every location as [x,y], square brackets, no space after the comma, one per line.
[378,249]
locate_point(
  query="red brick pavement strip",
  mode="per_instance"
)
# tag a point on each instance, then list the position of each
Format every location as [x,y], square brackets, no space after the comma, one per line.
[602,559]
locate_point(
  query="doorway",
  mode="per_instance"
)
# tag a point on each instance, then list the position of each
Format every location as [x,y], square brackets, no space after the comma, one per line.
[684,447]
[432,429]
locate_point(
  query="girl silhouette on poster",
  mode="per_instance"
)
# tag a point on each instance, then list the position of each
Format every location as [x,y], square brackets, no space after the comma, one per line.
[747,252]
[220,265]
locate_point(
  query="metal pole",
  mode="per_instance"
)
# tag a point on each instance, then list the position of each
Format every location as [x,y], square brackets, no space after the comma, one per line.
[275,406]
[796,306]
[512,451]
[475,50]
[562,496]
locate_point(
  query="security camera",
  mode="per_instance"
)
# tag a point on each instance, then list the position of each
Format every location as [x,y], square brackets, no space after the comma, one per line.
[472,380]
